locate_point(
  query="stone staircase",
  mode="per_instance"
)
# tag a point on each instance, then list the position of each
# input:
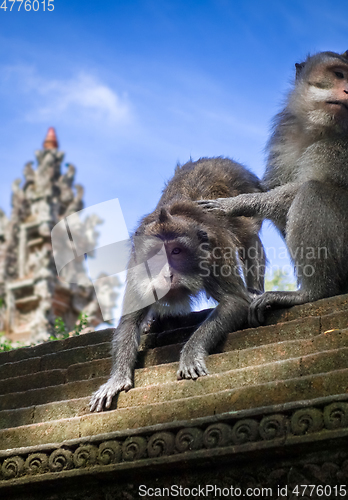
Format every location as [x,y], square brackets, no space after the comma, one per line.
[300,355]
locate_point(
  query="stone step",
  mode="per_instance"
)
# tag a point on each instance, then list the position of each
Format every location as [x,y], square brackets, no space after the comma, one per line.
[62,353]
[154,349]
[321,307]
[56,346]
[158,383]
[236,346]
[54,361]
[232,358]
[229,400]
[220,380]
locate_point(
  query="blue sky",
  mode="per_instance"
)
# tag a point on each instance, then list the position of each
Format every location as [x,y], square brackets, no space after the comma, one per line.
[133,87]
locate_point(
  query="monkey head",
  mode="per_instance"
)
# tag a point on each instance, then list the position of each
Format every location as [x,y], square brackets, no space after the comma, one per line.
[169,244]
[320,94]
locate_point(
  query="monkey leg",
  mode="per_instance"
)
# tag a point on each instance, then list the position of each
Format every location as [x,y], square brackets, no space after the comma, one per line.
[229,315]
[317,239]
[124,351]
[255,264]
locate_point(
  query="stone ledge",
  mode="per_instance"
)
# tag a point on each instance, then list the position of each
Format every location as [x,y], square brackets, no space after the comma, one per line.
[243,398]
[232,434]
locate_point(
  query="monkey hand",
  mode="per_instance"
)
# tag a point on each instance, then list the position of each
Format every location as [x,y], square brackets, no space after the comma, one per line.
[230,206]
[218,205]
[192,364]
[258,308]
[103,396]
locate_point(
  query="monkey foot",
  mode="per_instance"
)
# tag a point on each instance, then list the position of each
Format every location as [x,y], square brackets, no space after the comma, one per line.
[259,307]
[103,396]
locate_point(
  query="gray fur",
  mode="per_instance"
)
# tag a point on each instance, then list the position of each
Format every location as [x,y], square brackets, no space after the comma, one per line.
[179,222]
[306,183]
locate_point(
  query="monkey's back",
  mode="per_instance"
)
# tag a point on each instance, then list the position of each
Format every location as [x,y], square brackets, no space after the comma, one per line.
[209,178]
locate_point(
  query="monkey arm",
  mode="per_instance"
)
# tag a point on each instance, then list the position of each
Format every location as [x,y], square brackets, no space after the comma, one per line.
[229,315]
[273,204]
[124,351]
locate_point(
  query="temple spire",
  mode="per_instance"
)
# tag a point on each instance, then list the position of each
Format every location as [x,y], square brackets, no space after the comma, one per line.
[51,141]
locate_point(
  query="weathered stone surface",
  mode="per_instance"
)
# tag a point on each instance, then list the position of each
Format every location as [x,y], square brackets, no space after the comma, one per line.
[292,329]
[56,346]
[32,381]
[16,417]
[19,368]
[46,394]
[336,320]
[318,308]
[271,390]
[89,370]
[66,358]
[43,432]
[166,374]
[152,413]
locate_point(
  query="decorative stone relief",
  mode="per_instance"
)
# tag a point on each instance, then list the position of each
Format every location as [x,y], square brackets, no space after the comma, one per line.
[234,435]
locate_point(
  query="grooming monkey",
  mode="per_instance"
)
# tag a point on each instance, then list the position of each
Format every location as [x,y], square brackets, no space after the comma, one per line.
[306,183]
[188,251]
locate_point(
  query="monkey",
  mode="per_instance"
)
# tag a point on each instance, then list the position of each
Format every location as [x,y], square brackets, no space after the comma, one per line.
[187,251]
[305,185]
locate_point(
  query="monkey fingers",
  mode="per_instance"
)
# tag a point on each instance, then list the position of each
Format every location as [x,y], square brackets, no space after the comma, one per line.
[104,395]
[211,205]
[232,206]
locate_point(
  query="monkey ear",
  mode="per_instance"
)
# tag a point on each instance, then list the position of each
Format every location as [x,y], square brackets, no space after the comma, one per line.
[164,215]
[345,54]
[299,67]
[202,235]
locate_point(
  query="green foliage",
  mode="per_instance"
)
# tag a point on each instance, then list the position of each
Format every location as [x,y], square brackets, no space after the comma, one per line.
[7,344]
[61,331]
[60,328]
[279,280]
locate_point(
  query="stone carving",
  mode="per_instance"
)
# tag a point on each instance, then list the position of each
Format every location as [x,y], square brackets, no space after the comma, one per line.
[217,435]
[109,452]
[134,448]
[29,285]
[221,432]
[161,444]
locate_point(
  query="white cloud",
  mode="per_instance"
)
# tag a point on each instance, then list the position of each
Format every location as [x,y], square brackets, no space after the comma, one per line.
[82,96]
[84,92]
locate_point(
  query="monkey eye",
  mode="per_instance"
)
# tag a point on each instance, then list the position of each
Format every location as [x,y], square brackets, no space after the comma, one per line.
[339,74]
[176,251]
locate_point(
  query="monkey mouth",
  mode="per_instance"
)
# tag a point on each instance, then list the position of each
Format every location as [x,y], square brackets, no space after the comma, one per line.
[339,103]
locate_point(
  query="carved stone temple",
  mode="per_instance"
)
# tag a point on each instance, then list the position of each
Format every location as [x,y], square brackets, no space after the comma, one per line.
[32,294]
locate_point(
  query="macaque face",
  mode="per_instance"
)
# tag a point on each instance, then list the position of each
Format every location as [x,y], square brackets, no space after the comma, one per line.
[331,82]
[173,261]
[324,94]
[181,268]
